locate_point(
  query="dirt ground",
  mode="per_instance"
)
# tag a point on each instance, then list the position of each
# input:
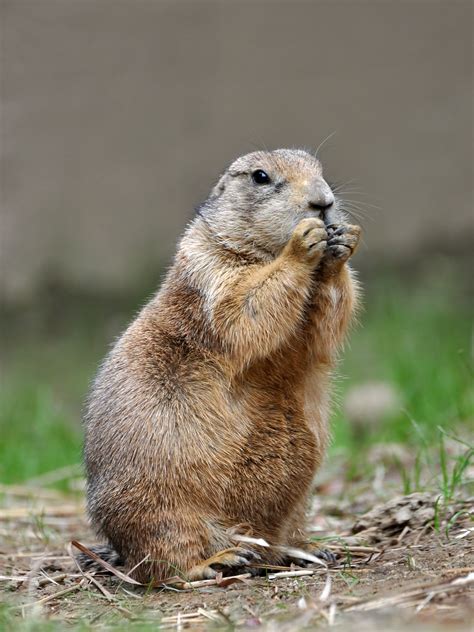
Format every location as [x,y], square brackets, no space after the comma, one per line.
[407,563]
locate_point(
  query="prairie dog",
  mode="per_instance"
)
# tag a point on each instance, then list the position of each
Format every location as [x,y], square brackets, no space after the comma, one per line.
[211,411]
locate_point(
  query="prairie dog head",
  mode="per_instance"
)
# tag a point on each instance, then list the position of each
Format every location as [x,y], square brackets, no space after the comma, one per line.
[262,196]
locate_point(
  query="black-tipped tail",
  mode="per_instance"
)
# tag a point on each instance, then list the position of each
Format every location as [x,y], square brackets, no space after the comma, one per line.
[105,552]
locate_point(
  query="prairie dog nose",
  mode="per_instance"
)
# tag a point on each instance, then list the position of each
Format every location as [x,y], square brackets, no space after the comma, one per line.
[320,196]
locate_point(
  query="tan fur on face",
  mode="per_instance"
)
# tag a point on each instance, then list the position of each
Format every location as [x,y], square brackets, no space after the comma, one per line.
[212,408]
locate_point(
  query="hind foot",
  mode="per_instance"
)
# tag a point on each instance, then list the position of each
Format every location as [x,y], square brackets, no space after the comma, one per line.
[313,549]
[229,561]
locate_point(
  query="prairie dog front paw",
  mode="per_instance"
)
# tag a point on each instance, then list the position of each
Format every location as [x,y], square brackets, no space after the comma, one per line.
[308,241]
[342,243]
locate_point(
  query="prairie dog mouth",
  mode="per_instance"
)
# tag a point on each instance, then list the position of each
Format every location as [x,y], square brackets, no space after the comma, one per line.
[328,216]
[331,216]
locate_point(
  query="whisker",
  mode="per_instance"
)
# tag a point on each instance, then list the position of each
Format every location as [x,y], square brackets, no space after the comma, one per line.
[355,192]
[351,191]
[359,213]
[344,188]
[359,220]
[364,203]
[354,210]
[354,213]
[360,207]
[259,145]
[337,186]
[323,143]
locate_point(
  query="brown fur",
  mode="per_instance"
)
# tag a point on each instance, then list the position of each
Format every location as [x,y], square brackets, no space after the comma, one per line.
[212,408]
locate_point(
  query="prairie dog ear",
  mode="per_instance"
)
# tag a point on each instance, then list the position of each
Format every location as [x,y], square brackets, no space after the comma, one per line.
[219,188]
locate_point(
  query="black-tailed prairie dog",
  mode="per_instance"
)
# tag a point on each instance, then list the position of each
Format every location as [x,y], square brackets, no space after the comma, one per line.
[211,410]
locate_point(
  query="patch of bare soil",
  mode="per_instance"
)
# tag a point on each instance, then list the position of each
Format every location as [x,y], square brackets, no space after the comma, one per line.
[401,561]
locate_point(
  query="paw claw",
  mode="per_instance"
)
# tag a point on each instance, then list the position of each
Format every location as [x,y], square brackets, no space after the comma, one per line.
[324,554]
[327,555]
[227,562]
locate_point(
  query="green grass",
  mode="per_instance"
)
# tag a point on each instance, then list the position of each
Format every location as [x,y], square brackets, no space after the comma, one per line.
[37,432]
[414,334]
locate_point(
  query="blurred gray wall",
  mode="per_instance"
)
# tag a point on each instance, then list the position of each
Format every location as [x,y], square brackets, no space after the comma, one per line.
[118,115]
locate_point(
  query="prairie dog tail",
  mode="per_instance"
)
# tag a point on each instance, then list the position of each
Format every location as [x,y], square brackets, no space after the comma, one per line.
[105,551]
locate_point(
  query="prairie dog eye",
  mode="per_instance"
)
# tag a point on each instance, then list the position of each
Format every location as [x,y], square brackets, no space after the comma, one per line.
[261,177]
